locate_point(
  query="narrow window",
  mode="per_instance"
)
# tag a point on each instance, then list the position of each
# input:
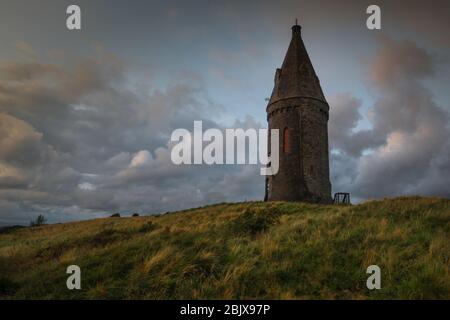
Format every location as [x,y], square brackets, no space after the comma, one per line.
[286,140]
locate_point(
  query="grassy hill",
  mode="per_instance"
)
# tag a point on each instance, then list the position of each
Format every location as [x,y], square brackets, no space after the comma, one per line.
[235,251]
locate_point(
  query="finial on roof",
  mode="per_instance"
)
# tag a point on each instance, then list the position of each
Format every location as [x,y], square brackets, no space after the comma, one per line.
[296,29]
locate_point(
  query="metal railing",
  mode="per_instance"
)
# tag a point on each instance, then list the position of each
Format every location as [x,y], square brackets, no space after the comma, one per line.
[341,198]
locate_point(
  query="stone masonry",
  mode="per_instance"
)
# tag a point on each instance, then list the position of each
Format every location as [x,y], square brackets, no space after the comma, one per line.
[298,108]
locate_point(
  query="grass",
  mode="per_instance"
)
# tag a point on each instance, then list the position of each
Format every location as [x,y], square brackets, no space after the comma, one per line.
[239,251]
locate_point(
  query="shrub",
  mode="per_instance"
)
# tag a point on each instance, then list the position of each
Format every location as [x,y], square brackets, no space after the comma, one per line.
[40,220]
[147,227]
[254,221]
[104,237]
[7,286]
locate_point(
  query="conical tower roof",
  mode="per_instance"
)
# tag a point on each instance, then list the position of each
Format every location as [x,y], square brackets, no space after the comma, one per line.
[297,77]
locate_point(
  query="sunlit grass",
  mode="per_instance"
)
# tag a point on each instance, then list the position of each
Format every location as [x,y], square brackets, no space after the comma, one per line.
[235,251]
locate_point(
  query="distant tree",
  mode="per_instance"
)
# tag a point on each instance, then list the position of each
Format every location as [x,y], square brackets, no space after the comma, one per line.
[40,220]
[135,215]
[115,215]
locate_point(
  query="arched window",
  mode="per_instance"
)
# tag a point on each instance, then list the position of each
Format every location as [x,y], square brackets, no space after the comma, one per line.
[286,140]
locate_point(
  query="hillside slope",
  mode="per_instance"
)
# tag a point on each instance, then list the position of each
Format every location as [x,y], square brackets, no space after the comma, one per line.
[235,251]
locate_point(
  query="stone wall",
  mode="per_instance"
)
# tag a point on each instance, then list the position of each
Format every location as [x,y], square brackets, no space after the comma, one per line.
[304,170]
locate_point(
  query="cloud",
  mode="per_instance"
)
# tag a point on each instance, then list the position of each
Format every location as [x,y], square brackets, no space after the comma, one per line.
[20,143]
[85,137]
[345,116]
[399,64]
[409,133]
[26,49]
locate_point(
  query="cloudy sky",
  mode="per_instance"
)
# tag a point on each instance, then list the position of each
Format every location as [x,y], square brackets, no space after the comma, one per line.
[86,116]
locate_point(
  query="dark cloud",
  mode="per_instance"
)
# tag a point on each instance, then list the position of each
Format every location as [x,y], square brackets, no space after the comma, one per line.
[345,115]
[81,138]
[408,141]
[103,146]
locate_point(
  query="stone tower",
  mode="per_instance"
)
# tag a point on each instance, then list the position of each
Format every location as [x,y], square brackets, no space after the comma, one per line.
[298,109]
